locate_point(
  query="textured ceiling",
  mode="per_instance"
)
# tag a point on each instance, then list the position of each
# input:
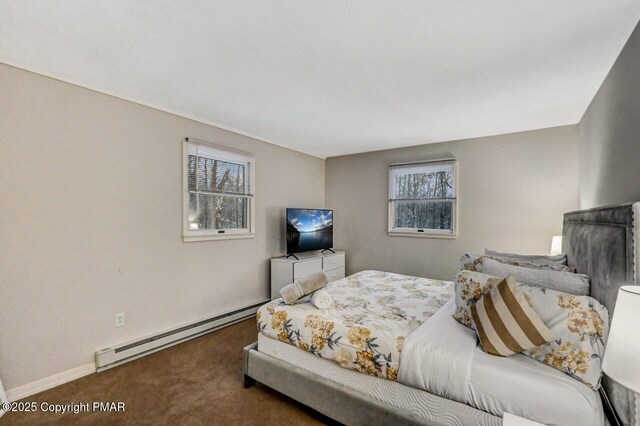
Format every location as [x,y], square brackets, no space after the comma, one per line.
[332,77]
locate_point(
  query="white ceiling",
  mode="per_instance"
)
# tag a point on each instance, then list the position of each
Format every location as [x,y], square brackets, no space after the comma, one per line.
[332,77]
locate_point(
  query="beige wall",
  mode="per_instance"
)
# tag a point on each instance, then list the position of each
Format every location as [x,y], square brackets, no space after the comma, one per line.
[90,224]
[513,190]
[91,210]
[610,134]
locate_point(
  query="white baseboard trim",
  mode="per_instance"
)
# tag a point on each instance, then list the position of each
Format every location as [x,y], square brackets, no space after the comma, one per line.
[50,382]
[3,399]
[41,385]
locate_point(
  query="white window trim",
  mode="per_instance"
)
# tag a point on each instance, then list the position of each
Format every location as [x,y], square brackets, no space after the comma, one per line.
[425,233]
[214,235]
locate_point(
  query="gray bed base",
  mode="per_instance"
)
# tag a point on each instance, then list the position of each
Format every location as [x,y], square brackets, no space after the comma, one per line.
[347,405]
[601,243]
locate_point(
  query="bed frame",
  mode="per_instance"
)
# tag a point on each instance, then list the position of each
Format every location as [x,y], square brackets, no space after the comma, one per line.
[599,242]
[347,405]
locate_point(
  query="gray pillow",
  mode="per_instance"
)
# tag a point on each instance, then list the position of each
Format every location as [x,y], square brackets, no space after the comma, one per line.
[567,282]
[468,262]
[557,260]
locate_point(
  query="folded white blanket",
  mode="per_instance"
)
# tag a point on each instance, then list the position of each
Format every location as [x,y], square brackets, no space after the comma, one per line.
[321,299]
[437,356]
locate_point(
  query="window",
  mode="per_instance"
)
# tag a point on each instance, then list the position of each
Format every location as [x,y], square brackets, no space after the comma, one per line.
[422,199]
[218,192]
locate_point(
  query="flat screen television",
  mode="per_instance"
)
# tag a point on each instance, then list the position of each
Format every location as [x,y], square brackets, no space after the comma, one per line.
[309,229]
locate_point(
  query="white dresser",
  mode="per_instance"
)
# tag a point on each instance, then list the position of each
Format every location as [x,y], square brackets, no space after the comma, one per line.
[286,270]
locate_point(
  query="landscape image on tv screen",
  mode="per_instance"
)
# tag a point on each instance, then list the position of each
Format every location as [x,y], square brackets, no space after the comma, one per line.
[309,230]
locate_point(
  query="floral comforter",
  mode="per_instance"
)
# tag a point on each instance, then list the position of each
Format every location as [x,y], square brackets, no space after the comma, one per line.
[365,328]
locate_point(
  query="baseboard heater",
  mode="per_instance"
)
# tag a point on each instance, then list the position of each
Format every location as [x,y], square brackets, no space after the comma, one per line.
[117,355]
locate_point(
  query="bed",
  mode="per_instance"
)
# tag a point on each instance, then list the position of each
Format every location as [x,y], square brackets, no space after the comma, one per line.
[478,389]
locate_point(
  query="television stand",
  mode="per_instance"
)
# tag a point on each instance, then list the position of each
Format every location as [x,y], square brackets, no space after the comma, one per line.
[322,252]
[294,256]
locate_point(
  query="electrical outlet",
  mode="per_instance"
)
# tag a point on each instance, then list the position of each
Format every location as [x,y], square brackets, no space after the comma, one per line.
[119,320]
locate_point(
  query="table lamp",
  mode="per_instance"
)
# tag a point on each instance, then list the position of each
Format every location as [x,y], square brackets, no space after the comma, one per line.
[556,245]
[622,355]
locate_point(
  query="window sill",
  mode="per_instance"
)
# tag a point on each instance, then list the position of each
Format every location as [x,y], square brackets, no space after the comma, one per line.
[195,238]
[423,235]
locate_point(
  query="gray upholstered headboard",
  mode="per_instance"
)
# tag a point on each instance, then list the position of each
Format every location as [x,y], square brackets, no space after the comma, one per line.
[602,243]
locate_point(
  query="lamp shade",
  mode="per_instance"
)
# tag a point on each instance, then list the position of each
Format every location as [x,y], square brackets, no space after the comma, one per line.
[556,245]
[622,355]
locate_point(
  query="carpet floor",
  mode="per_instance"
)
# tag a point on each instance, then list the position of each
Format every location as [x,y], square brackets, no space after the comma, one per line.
[199,382]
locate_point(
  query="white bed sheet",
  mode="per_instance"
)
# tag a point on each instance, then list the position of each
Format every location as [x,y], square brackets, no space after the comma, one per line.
[442,357]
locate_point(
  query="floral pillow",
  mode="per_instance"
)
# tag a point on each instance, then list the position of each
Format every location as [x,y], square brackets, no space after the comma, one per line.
[469,287]
[580,324]
[581,327]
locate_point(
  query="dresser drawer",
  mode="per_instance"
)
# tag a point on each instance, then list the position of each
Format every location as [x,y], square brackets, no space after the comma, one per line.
[333,262]
[306,267]
[335,274]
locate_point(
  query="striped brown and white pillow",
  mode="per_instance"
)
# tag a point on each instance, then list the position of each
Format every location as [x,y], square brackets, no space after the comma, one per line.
[506,323]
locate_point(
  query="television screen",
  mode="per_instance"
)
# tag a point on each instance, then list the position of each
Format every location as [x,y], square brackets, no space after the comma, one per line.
[309,230]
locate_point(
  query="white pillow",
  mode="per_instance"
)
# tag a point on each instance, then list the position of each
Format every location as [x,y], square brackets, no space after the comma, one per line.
[567,282]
